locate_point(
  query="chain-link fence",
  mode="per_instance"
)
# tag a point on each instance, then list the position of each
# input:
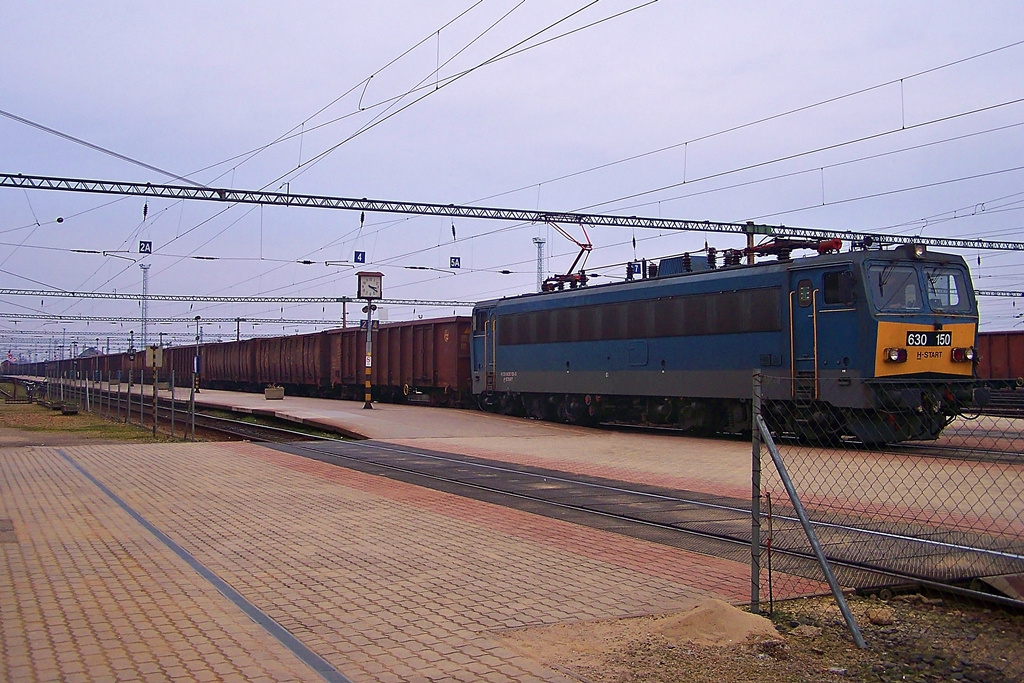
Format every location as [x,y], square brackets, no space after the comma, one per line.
[906,486]
[126,399]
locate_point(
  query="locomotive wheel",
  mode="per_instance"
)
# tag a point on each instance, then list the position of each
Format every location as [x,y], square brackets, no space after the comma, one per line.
[510,405]
[486,402]
[575,411]
[541,407]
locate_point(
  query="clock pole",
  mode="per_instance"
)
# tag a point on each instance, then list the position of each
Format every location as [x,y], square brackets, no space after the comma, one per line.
[369,288]
[369,351]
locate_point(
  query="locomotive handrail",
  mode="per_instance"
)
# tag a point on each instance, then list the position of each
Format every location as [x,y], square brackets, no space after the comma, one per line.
[814,320]
[792,348]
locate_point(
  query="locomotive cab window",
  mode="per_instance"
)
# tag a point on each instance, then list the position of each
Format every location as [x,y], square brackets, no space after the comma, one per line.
[839,287]
[946,289]
[480,322]
[895,289]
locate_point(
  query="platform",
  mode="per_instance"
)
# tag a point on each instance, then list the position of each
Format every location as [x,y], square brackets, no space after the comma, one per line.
[714,465]
[237,562]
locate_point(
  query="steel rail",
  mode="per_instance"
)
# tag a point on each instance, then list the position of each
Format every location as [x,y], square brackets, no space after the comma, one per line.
[724,538]
[697,503]
[218,424]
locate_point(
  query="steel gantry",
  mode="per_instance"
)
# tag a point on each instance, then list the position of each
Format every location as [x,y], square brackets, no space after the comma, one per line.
[30,182]
[210,298]
[186,319]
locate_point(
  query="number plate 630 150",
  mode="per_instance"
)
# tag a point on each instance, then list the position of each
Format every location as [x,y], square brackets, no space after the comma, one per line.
[936,338]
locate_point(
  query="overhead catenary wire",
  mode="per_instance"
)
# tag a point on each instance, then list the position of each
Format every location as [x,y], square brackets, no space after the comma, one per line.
[284,265]
[449,81]
[797,155]
[755,122]
[309,163]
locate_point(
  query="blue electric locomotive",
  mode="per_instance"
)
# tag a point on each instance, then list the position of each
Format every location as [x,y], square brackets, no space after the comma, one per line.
[874,343]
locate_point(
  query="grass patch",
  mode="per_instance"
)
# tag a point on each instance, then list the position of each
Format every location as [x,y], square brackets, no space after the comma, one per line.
[37,419]
[265,421]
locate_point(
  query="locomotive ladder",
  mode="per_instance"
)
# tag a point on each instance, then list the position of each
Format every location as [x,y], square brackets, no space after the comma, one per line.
[803,383]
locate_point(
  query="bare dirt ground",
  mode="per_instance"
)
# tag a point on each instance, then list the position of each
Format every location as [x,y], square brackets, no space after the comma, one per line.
[910,637]
[916,638]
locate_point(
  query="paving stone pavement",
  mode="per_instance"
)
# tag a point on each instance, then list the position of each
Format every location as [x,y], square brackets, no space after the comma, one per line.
[385,581]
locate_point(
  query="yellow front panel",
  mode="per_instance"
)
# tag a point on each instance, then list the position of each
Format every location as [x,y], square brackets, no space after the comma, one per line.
[922,358]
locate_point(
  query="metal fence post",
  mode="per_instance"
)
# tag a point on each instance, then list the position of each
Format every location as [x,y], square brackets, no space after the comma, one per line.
[755,497]
[798,507]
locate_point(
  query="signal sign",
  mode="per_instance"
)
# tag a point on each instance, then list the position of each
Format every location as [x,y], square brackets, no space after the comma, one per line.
[360,257]
[455,262]
[145,247]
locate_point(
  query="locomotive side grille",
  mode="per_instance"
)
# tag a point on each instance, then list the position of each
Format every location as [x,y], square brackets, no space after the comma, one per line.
[754,310]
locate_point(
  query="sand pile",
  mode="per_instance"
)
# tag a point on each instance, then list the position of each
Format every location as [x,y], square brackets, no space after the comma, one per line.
[585,645]
[713,623]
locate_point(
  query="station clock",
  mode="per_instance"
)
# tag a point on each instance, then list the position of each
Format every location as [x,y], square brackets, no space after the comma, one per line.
[370,285]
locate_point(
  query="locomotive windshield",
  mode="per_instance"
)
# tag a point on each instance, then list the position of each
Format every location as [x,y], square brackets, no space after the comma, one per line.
[895,288]
[911,288]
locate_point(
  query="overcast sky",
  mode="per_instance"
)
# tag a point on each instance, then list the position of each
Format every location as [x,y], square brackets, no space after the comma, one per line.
[195,88]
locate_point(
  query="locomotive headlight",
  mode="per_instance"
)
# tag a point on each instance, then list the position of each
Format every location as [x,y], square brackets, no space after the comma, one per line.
[963,355]
[919,251]
[895,355]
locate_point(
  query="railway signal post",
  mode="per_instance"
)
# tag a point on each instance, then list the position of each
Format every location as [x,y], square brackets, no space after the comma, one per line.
[369,288]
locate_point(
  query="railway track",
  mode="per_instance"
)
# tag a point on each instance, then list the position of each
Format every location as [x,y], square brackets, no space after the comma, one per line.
[1005,403]
[115,406]
[701,522]
[1000,451]
[252,431]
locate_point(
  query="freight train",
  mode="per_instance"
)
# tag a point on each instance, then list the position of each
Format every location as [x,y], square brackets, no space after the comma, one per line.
[878,345]
[423,361]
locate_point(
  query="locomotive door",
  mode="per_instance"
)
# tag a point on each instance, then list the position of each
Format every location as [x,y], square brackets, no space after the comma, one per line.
[484,350]
[803,328]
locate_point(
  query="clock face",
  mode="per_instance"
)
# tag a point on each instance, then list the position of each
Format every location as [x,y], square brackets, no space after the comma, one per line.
[369,287]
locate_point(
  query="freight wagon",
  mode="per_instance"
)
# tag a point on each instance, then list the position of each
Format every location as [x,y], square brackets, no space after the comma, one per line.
[1001,355]
[425,361]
